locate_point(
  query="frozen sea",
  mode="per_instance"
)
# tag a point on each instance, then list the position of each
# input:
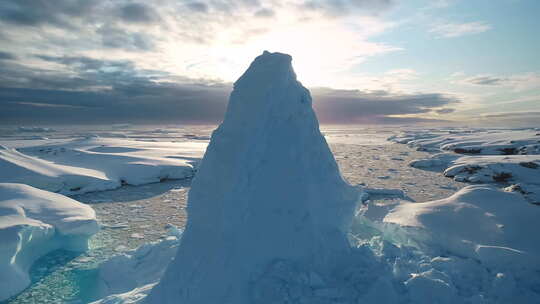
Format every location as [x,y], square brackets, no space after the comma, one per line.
[131,215]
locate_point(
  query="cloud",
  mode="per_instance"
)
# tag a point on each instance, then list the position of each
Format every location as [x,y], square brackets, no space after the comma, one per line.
[485,80]
[344,7]
[119,38]
[7,56]
[452,30]
[168,60]
[511,115]
[528,118]
[35,13]
[517,82]
[445,111]
[138,13]
[106,91]
[265,13]
[224,34]
[354,106]
[196,6]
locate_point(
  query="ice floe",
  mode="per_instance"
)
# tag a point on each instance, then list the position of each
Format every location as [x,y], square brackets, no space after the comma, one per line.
[94,164]
[482,156]
[34,222]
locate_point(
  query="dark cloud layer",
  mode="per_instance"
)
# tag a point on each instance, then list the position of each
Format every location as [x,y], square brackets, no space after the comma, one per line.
[486,80]
[108,91]
[352,106]
[7,56]
[138,13]
[38,12]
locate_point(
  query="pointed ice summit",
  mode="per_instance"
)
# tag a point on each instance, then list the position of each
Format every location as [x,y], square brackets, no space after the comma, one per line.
[268,201]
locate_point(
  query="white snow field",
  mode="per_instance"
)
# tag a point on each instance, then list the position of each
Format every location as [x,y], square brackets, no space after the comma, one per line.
[34,222]
[96,164]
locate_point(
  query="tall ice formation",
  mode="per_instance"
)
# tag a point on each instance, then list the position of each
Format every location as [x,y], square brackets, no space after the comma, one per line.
[268,197]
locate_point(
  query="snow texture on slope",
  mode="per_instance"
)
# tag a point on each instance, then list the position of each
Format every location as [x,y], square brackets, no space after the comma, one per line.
[34,222]
[487,224]
[144,265]
[96,164]
[268,193]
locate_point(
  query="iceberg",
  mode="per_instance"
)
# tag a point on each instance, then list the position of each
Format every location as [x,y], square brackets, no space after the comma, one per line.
[33,223]
[268,199]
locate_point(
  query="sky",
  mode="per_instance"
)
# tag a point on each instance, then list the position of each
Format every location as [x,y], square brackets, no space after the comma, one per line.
[364,61]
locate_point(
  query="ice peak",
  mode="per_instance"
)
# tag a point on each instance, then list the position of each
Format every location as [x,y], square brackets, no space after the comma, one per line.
[268,67]
[267,181]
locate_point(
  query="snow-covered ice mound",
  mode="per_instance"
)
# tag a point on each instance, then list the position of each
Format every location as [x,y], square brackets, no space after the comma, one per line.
[492,156]
[142,266]
[477,246]
[16,167]
[34,222]
[480,222]
[268,193]
[473,141]
[495,168]
[94,164]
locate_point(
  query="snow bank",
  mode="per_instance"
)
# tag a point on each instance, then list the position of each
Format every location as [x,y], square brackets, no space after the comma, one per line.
[473,141]
[34,222]
[479,222]
[439,160]
[142,266]
[476,246]
[493,156]
[95,164]
[16,167]
[268,192]
[492,168]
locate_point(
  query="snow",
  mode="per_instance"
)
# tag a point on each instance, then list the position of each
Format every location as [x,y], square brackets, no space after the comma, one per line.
[472,247]
[96,164]
[482,156]
[276,195]
[144,265]
[436,160]
[495,168]
[34,222]
[473,141]
[488,225]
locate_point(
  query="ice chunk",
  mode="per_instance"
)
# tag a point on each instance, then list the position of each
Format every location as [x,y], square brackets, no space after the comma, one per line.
[95,164]
[34,222]
[479,222]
